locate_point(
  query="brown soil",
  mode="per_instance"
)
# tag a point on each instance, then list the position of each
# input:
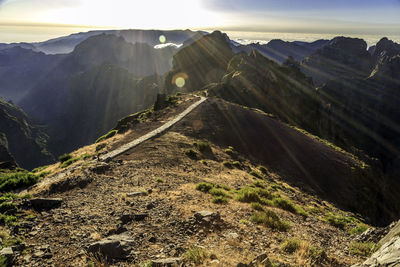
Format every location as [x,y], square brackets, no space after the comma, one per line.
[91,213]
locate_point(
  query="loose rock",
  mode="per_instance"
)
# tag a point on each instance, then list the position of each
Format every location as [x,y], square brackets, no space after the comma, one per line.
[45,203]
[114,247]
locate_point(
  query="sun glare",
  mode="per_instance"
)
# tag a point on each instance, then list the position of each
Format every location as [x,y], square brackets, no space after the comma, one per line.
[133,14]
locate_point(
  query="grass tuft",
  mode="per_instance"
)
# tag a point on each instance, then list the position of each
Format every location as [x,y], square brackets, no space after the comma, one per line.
[106,136]
[256,174]
[256,206]
[64,157]
[204,187]
[219,200]
[270,219]
[12,181]
[291,245]
[361,248]
[196,255]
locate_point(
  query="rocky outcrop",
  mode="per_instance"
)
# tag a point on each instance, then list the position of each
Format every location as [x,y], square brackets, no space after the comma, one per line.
[388,253]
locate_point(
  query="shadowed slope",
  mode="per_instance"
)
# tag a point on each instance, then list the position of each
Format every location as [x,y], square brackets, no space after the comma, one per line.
[302,159]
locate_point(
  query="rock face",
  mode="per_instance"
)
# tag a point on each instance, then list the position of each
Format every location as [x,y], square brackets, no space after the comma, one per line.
[341,57]
[6,160]
[114,247]
[253,80]
[20,139]
[389,252]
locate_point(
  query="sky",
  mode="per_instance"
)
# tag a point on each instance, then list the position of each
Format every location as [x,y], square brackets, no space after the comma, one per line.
[28,20]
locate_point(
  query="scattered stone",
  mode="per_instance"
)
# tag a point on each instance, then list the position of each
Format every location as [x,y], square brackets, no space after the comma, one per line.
[135,194]
[100,168]
[6,252]
[126,218]
[207,218]
[45,203]
[113,247]
[69,183]
[170,262]
[151,205]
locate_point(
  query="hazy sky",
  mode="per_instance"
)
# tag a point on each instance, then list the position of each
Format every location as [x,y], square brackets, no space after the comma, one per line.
[313,16]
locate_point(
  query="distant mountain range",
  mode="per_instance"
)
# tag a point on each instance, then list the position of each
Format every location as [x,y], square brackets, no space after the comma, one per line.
[66,44]
[336,89]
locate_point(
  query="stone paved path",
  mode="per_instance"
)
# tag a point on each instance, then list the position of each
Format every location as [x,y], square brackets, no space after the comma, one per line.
[112,154]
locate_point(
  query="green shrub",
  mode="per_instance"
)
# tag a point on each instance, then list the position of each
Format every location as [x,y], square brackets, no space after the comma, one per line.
[284,204]
[250,194]
[196,255]
[256,206]
[69,162]
[204,187]
[219,200]
[217,192]
[258,184]
[39,169]
[270,219]
[244,221]
[191,154]
[361,248]
[337,220]
[203,147]
[256,174]
[43,174]
[159,180]
[64,157]
[7,219]
[7,206]
[291,245]
[107,135]
[359,229]
[262,169]
[17,180]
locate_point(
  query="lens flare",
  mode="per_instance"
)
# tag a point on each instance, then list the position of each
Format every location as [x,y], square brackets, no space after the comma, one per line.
[180,79]
[162,39]
[180,82]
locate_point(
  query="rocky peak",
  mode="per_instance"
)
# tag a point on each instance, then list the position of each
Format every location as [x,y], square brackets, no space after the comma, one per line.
[385,47]
[349,45]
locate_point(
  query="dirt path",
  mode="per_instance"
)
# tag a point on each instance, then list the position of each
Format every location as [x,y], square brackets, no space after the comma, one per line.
[159,130]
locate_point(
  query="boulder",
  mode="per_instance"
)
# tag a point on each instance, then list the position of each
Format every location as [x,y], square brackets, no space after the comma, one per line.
[114,247]
[45,203]
[6,252]
[70,183]
[207,217]
[170,262]
[100,168]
